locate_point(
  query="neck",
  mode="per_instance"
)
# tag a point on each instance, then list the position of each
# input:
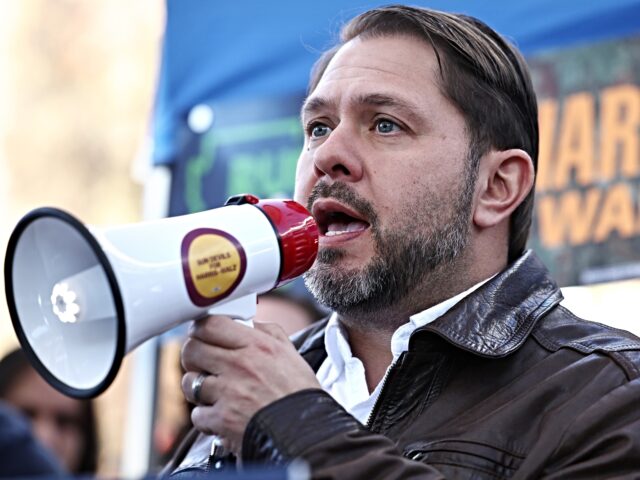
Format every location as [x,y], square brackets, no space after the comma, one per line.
[373,348]
[370,331]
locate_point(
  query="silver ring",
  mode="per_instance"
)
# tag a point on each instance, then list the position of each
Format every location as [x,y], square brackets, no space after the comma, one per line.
[196,386]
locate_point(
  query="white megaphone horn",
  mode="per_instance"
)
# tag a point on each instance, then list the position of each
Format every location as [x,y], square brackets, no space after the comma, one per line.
[81,298]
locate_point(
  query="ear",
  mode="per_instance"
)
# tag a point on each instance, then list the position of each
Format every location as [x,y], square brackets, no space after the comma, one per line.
[504,179]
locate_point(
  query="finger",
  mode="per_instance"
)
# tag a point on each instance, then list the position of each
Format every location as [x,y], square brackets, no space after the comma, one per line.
[208,389]
[212,420]
[231,446]
[199,356]
[221,331]
[207,419]
[272,329]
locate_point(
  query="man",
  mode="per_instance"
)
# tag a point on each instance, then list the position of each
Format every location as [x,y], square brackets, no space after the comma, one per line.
[448,355]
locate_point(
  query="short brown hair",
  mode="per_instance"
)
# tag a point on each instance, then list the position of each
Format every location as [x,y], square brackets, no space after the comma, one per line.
[484,76]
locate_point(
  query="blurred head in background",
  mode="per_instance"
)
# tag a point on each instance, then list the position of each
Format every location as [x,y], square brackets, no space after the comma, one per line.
[62,424]
[291,312]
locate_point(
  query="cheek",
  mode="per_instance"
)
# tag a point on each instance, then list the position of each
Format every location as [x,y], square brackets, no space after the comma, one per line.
[70,444]
[407,202]
[71,436]
[304,181]
[391,195]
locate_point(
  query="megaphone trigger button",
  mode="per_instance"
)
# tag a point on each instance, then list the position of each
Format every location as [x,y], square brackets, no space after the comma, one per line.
[242,199]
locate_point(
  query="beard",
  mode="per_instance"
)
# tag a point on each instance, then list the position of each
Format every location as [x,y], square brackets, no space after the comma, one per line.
[431,233]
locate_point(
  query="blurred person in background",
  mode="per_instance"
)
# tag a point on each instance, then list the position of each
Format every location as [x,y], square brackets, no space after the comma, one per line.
[292,312]
[64,425]
[21,455]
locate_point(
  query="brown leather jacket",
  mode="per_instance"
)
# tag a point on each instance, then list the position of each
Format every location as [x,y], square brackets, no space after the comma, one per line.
[507,384]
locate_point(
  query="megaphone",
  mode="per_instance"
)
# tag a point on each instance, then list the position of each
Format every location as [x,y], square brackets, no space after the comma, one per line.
[81,298]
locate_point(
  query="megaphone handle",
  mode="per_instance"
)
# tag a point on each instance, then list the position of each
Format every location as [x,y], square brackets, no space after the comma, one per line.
[242,309]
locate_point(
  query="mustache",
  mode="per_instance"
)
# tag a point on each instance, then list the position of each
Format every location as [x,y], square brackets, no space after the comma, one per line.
[345,194]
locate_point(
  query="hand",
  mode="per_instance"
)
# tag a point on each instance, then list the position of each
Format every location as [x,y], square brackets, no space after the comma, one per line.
[248,368]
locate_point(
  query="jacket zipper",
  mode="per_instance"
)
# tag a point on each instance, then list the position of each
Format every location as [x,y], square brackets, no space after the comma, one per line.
[377,405]
[216,448]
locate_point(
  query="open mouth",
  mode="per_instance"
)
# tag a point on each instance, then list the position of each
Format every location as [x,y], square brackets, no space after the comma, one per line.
[335,219]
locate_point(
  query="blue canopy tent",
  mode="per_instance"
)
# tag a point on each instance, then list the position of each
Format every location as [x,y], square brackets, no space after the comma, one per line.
[239,51]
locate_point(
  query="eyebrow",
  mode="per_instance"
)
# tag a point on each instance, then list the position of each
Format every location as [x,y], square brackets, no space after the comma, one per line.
[382,100]
[316,104]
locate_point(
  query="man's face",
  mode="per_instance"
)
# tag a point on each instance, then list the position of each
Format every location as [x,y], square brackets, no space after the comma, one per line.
[385,171]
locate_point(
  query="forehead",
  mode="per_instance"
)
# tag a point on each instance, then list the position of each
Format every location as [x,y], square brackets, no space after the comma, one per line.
[403,65]
[32,392]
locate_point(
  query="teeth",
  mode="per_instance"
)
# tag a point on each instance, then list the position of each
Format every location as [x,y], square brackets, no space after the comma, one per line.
[334,229]
[356,227]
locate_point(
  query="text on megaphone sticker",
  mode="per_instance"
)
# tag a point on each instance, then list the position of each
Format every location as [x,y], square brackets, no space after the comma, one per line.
[213,263]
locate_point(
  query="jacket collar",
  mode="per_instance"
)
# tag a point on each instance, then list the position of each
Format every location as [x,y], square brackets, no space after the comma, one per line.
[310,343]
[496,319]
[492,321]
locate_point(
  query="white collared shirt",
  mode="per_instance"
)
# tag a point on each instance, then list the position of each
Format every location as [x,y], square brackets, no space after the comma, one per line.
[342,375]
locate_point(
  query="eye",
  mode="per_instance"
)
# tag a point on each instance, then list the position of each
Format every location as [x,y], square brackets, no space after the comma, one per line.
[385,125]
[66,421]
[29,412]
[318,130]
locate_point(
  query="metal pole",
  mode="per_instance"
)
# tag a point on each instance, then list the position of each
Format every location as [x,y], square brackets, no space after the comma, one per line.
[137,452]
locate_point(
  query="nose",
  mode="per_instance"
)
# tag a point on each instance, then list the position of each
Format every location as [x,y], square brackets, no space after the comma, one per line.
[339,156]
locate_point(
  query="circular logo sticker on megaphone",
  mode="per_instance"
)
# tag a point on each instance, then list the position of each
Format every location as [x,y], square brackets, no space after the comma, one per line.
[213,263]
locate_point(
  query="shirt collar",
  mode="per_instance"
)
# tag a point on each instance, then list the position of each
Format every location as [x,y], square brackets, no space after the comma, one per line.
[336,339]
